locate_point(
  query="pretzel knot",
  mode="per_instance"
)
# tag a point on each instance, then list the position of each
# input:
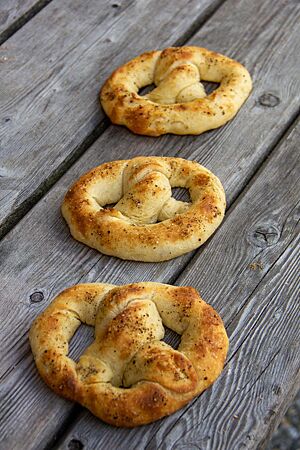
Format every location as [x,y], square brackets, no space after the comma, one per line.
[179,103]
[127,376]
[146,223]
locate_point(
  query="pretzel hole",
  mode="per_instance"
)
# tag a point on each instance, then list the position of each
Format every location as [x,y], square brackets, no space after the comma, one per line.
[171,338]
[82,338]
[181,194]
[146,89]
[109,206]
[209,86]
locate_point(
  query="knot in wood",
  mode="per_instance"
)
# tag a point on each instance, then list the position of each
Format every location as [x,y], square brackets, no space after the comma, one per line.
[264,235]
[128,376]
[36,297]
[269,100]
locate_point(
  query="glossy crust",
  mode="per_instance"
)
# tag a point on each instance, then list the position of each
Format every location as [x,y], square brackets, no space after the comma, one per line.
[178,104]
[127,352]
[146,223]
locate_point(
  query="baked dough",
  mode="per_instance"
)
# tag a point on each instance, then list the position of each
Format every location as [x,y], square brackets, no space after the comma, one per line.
[127,376]
[178,104]
[146,223]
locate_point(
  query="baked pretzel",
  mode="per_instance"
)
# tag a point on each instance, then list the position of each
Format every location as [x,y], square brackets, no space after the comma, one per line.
[179,103]
[127,376]
[146,223]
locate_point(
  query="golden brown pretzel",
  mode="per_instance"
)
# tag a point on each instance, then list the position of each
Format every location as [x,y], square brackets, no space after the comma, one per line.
[127,377]
[146,224]
[179,103]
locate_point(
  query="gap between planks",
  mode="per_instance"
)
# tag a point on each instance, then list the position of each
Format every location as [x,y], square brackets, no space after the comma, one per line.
[20,21]
[12,220]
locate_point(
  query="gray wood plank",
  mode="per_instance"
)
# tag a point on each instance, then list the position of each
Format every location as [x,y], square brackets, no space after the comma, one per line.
[39,255]
[248,272]
[52,71]
[14,13]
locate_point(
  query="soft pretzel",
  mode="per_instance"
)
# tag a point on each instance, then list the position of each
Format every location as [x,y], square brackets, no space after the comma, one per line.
[146,223]
[178,104]
[127,376]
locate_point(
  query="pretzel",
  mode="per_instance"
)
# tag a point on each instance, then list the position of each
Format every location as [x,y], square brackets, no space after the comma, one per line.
[146,223]
[179,103]
[127,376]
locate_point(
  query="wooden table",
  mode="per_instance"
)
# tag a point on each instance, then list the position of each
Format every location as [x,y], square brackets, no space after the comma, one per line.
[54,58]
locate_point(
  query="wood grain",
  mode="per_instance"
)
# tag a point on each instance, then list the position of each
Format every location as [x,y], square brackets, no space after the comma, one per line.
[41,245]
[39,256]
[15,13]
[248,272]
[49,85]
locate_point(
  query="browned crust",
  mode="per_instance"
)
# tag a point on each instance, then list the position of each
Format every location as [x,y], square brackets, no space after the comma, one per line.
[111,233]
[121,102]
[159,380]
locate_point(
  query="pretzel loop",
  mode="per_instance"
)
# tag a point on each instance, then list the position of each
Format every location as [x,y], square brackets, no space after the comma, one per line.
[146,223]
[127,376]
[178,104]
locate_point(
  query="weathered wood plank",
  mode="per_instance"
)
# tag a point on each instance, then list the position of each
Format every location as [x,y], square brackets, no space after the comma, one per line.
[249,274]
[14,13]
[39,255]
[256,253]
[119,143]
[50,83]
